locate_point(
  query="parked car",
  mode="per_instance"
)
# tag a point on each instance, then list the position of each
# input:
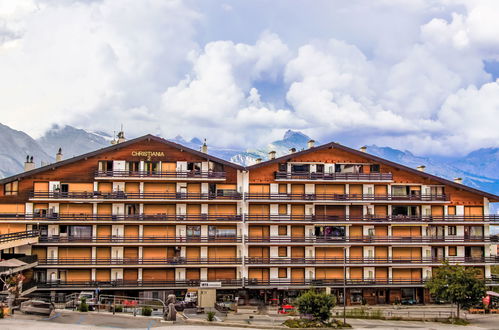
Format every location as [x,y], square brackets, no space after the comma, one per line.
[37,307]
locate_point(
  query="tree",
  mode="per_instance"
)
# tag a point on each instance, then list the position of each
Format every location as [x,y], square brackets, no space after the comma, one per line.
[458,285]
[317,304]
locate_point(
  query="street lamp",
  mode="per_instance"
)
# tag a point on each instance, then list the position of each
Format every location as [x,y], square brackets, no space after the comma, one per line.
[344,284]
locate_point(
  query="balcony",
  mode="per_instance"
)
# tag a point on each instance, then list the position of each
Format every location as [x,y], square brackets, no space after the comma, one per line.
[349,261]
[161,176]
[339,282]
[139,240]
[122,195]
[172,261]
[345,197]
[373,240]
[139,284]
[132,218]
[18,239]
[344,177]
[368,219]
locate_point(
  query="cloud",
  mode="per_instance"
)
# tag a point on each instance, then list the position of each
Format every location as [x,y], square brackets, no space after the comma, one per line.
[410,76]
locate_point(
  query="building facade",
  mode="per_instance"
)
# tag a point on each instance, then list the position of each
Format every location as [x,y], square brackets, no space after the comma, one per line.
[148,216]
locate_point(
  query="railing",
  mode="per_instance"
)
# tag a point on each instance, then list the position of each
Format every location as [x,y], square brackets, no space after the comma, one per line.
[146,239]
[26,259]
[374,218]
[134,283]
[345,197]
[138,261]
[18,235]
[252,282]
[373,239]
[129,195]
[163,175]
[339,282]
[132,217]
[334,176]
[365,260]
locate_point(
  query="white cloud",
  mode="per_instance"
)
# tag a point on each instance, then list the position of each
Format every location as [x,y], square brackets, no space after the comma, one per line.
[394,72]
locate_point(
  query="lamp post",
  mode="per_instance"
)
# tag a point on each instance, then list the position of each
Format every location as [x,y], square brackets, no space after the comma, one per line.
[344,285]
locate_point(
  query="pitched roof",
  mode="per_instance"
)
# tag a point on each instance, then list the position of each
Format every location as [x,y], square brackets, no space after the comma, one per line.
[117,147]
[492,197]
[332,145]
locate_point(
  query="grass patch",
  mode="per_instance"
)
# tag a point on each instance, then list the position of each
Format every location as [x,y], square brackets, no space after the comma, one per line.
[456,321]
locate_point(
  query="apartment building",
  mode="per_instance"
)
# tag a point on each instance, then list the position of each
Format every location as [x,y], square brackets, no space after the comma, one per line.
[149,216]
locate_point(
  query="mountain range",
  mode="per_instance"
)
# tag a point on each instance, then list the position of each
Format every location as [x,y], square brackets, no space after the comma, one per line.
[479,169]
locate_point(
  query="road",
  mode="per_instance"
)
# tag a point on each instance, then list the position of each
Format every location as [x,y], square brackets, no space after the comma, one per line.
[86,321]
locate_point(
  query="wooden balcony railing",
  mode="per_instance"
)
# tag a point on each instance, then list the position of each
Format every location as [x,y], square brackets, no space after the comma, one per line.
[139,261]
[334,176]
[374,239]
[146,239]
[161,175]
[135,283]
[109,217]
[345,197]
[18,235]
[365,260]
[128,195]
[373,218]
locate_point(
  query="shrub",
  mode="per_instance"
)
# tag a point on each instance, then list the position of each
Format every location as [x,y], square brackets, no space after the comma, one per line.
[211,316]
[83,305]
[118,309]
[146,311]
[1,312]
[316,304]
[304,323]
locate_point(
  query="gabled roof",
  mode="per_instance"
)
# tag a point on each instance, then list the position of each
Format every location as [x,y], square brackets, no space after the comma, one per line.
[118,146]
[334,145]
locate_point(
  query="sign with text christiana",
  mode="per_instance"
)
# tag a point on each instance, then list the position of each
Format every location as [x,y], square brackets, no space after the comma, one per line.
[148,154]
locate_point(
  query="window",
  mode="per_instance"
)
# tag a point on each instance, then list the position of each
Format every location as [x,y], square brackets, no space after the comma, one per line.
[196,167]
[300,168]
[80,231]
[105,165]
[283,167]
[283,273]
[451,210]
[370,232]
[193,231]
[283,251]
[319,168]
[374,168]
[11,188]
[330,231]
[452,251]
[283,230]
[452,230]
[213,231]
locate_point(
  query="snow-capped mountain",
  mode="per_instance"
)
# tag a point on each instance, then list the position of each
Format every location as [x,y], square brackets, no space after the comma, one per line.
[73,141]
[291,139]
[14,147]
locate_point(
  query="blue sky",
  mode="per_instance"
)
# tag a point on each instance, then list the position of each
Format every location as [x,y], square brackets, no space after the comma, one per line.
[412,74]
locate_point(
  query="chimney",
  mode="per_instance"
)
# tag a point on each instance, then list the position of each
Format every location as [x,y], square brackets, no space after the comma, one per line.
[458,180]
[310,144]
[363,148]
[292,150]
[29,164]
[258,160]
[204,147]
[272,154]
[421,168]
[121,136]
[58,155]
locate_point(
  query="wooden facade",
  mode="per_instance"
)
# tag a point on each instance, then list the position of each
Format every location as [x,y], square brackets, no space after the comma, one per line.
[148,212]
